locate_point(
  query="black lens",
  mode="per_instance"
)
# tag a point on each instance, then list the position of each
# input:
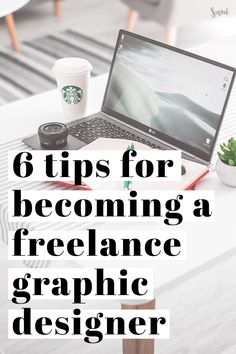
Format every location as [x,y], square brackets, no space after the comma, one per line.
[53,135]
[52,128]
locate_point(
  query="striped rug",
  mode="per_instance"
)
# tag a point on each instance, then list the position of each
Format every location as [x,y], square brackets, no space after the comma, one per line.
[29,72]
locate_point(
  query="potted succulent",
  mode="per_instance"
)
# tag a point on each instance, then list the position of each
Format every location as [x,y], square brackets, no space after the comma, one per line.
[226,164]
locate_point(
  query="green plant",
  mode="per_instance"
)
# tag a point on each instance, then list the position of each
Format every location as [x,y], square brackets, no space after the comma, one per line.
[228,152]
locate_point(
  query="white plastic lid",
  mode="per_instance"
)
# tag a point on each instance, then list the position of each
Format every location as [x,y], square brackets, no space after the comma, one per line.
[71,66]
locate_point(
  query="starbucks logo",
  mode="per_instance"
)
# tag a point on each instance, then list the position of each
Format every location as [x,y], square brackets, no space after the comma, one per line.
[72,94]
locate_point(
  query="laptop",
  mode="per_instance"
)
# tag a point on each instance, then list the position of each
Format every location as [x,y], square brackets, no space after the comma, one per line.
[161,96]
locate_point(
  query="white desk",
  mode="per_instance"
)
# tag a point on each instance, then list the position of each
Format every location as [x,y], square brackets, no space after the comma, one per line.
[206,243]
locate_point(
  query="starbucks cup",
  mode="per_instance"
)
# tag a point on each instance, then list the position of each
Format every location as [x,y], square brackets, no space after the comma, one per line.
[73,75]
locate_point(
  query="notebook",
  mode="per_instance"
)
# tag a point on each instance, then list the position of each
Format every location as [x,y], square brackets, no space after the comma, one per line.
[194,170]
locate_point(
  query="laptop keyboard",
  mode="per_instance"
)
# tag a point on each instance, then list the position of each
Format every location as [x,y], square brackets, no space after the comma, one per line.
[95,128]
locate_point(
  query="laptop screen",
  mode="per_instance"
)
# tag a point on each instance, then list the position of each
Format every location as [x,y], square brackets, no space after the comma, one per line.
[171,94]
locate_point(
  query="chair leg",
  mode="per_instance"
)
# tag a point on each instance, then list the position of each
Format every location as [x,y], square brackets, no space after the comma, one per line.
[131,20]
[12,32]
[57,7]
[170,35]
[139,346]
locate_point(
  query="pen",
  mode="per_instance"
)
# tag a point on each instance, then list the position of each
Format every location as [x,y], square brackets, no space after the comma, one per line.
[128,183]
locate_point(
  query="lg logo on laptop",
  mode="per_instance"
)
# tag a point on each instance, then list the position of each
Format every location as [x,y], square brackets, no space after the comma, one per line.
[151,131]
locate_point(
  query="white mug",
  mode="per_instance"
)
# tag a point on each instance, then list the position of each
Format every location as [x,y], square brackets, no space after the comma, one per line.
[73,76]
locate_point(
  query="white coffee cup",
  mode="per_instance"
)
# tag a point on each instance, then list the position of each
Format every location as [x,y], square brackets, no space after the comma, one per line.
[73,76]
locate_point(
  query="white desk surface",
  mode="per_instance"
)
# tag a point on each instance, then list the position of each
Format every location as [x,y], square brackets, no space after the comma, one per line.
[205,242]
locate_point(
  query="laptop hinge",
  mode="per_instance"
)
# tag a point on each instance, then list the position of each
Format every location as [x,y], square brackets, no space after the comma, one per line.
[186,155]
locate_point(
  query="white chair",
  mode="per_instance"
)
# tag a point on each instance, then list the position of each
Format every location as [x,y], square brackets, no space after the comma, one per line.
[7,7]
[176,13]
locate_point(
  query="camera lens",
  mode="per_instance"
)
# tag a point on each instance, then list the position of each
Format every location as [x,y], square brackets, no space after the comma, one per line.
[53,135]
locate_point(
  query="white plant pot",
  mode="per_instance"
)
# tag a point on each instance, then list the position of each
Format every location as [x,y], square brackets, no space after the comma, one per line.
[226,173]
